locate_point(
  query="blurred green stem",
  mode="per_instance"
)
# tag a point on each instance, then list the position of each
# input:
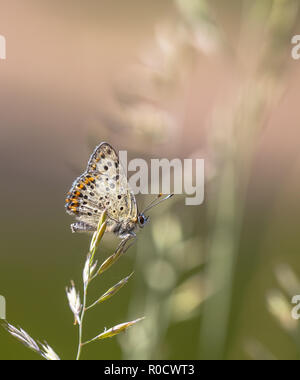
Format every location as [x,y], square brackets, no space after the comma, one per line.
[222,258]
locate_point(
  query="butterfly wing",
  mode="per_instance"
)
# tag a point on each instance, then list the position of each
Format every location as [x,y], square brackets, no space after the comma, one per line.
[103,186]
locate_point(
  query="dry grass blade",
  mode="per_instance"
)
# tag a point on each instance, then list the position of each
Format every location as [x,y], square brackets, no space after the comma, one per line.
[110,261]
[113,258]
[97,237]
[111,292]
[115,330]
[74,301]
[23,337]
[43,349]
[48,353]
[88,276]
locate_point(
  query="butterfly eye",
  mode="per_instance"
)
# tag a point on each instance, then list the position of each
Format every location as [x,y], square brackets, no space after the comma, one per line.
[142,220]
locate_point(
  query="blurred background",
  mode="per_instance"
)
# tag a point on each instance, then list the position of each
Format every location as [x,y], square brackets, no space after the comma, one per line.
[161,79]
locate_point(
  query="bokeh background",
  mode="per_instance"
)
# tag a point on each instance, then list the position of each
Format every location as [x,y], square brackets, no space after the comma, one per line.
[172,78]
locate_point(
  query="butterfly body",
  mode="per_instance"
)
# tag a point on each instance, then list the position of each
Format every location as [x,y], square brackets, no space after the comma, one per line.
[104,187]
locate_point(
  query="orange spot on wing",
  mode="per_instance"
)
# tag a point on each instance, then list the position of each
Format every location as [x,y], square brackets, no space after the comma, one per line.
[89,179]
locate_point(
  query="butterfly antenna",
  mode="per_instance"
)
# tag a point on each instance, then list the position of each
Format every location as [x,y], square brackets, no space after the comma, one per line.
[157,201]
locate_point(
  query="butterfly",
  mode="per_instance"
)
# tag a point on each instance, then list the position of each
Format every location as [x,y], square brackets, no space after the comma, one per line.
[104,187]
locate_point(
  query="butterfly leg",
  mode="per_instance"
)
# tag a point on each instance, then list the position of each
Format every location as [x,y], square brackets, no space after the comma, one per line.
[82,227]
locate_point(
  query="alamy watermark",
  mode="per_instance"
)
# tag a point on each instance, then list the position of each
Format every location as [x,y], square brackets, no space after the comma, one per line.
[296,309]
[296,49]
[164,176]
[2,47]
[2,308]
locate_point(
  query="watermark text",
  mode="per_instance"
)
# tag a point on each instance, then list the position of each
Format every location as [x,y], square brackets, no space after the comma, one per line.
[296,309]
[166,176]
[296,49]
[2,308]
[2,47]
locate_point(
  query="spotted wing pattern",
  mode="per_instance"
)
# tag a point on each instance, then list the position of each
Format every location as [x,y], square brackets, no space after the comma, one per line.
[103,186]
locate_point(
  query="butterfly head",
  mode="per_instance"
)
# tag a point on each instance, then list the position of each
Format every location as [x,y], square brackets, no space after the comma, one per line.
[142,220]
